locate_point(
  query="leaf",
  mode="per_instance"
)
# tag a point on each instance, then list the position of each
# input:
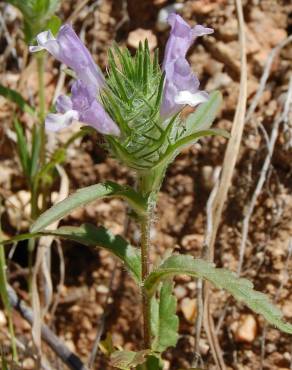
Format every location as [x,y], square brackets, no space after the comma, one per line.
[175,148]
[152,363]
[85,196]
[240,288]
[16,98]
[54,24]
[91,235]
[126,360]
[106,346]
[99,236]
[22,148]
[204,115]
[164,321]
[35,151]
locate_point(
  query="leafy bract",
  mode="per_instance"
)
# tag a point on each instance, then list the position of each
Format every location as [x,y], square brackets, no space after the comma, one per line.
[164,321]
[91,235]
[241,289]
[86,195]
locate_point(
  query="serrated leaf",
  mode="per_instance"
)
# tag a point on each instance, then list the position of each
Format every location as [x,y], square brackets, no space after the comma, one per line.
[16,98]
[241,289]
[126,360]
[204,115]
[91,235]
[164,321]
[86,195]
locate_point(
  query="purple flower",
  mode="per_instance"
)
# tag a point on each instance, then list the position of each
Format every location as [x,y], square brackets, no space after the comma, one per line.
[83,104]
[84,107]
[70,50]
[181,85]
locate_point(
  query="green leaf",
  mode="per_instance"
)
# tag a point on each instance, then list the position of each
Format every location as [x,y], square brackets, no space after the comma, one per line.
[175,148]
[54,24]
[164,321]
[85,196]
[22,148]
[205,114]
[35,151]
[126,360]
[240,288]
[16,98]
[152,363]
[91,235]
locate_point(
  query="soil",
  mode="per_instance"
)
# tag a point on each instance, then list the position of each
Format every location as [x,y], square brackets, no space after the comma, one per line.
[97,293]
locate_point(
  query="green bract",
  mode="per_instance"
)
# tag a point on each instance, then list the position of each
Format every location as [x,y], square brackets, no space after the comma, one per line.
[133,99]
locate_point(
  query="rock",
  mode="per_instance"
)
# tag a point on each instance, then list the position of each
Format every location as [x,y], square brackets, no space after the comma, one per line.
[180,291]
[140,35]
[229,30]
[227,53]
[202,7]
[28,364]
[218,81]
[287,309]
[245,330]
[189,309]
[161,23]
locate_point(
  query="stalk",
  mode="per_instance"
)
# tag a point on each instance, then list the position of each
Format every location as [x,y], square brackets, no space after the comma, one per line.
[42,104]
[145,224]
[149,184]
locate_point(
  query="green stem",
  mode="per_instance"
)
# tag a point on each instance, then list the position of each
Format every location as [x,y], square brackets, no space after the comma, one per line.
[42,104]
[149,184]
[145,251]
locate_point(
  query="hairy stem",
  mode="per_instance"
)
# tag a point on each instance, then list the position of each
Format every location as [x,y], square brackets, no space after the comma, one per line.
[145,244]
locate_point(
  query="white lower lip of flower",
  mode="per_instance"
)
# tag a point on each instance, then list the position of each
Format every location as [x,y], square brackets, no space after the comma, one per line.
[58,121]
[42,39]
[185,97]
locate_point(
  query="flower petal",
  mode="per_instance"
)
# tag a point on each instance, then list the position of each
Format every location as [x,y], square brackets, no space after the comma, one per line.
[181,85]
[63,104]
[57,121]
[193,99]
[96,117]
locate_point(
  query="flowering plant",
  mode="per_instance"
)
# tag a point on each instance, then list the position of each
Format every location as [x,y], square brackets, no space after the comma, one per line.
[137,108]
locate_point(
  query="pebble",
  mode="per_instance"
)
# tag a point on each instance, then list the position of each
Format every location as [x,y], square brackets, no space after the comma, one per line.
[180,291]
[140,35]
[189,309]
[28,364]
[246,329]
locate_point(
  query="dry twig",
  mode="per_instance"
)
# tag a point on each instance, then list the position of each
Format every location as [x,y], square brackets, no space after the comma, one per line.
[225,182]
[69,358]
